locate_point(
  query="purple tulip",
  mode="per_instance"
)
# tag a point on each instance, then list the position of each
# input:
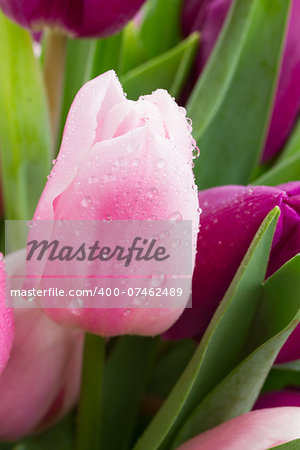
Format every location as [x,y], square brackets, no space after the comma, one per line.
[230,218]
[208,16]
[274,399]
[84,18]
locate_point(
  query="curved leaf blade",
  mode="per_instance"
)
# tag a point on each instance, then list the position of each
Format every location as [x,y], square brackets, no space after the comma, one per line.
[167,71]
[231,104]
[274,322]
[220,348]
[25,136]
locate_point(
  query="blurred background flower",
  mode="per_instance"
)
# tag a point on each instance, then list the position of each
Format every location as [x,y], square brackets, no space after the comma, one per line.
[41,379]
[230,218]
[208,17]
[77,18]
[6,322]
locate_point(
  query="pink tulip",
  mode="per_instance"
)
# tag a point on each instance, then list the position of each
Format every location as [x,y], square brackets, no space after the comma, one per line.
[41,380]
[6,323]
[257,430]
[122,160]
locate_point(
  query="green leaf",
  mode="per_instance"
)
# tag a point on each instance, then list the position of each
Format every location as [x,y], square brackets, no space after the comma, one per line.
[292,445]
[78,62]
[106,55]
[125,377]
[221,345]
[24,123]
[132,52]
[169,366]
[283,172]
[274,321]
[159,39]
[168,71]
[292,146]
[231,104]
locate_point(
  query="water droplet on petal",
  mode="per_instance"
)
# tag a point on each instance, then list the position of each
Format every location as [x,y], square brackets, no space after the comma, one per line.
[92,180]
[195,152]
[160,163]
[136,162]
[176,243]
[175,216]
[86,201]
[158,279]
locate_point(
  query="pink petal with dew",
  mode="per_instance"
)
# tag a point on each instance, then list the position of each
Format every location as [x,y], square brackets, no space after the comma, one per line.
[6,323]
[134,162]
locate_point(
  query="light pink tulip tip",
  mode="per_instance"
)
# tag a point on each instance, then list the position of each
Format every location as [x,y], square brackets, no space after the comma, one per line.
[113,153]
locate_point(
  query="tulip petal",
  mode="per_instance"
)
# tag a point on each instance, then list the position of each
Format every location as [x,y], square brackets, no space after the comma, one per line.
[6,323]
[122,160]
[257,430]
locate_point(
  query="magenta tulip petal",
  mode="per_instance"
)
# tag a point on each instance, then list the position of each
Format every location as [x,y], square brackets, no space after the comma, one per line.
[288,397]
[230,218]
[86,18]
[208,17]
[287,102]
[6,323]
[257,430]
[122,160]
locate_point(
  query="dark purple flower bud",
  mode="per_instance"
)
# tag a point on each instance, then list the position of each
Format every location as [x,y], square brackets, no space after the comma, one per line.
[208,16]
[230,218]
[274,399]
[84,18]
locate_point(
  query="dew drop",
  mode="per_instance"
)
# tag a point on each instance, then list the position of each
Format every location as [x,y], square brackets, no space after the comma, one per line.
[160,163]
[175,216]
[176,243]
[92,180]
[158,279]
[136,162]
[86,201]
[152,192]
[195,152]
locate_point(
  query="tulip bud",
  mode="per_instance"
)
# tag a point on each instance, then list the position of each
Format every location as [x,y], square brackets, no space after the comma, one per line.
[208,18]
[41,380]
[230,218]
[255,430]
[6,323]
[77,18]
[273,399]
[123,161]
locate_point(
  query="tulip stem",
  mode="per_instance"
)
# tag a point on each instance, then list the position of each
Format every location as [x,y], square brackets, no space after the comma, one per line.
[88,433]
[54,74]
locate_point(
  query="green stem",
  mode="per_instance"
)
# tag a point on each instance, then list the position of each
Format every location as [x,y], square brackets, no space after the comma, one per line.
[88,433]
[54,74]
